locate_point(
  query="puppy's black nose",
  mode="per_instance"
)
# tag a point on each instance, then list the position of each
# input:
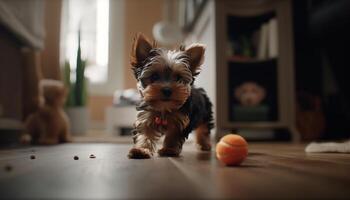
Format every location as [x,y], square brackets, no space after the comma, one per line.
[166,91]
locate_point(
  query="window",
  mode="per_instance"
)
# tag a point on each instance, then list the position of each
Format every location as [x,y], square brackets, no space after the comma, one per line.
[91,17]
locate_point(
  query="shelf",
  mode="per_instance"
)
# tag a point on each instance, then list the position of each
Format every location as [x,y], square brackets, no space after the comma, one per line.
[252,69]
[250,60]
[253,38]
[255,125]
[247,24]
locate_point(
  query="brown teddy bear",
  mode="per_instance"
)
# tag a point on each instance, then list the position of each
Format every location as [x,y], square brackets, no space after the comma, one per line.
[250,94]
[49,124]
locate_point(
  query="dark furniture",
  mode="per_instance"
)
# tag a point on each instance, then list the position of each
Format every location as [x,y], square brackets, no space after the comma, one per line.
[19,88]
[322,44]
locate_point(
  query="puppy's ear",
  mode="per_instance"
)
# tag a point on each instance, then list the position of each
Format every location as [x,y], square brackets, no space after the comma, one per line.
[140,49]
[195,53]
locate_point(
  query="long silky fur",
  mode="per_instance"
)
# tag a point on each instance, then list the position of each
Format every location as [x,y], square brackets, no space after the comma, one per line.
[188,107]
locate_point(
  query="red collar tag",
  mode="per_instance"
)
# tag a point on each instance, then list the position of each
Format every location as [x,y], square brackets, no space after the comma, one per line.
[161,122]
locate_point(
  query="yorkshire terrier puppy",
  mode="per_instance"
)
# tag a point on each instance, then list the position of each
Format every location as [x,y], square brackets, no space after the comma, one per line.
[170,105]
[49,124]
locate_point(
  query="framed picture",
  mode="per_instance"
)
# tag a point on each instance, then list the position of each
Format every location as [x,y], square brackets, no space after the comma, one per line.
[253,95]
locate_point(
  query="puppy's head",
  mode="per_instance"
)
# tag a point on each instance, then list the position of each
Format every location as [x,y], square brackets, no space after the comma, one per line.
[164,77]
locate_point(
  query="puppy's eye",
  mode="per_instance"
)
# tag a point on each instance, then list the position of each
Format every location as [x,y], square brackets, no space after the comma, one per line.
[154,77]
[178,77]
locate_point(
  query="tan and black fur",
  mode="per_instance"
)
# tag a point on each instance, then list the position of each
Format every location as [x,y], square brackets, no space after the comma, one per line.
[170,105]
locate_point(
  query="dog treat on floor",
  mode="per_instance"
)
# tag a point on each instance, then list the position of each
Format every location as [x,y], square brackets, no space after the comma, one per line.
[76,158]
[170,104]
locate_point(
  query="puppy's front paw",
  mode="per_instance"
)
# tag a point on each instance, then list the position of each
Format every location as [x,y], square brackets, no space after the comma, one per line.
[168,152]
[139,153]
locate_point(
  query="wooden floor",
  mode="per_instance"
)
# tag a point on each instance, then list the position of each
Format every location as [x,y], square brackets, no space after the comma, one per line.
[271,170]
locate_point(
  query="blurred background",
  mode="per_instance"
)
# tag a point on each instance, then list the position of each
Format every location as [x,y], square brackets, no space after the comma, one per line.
[275,70]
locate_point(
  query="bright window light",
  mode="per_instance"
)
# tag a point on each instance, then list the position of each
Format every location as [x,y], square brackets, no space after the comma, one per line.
[102,32]
[92,17]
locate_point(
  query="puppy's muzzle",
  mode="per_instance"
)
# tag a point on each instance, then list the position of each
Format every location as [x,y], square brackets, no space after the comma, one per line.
[166,92]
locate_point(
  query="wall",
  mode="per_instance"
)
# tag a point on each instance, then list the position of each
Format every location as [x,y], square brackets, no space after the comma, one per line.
[50,54]
[140,16]
[204,32]
[97,107]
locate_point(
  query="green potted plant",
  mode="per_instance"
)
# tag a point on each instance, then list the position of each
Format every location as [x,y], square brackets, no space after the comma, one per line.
[77,96]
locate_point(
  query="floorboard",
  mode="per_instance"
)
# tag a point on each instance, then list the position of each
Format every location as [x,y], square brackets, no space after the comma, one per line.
[271,171]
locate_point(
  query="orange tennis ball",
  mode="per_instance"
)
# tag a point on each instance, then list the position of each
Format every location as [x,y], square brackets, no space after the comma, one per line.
[232,149]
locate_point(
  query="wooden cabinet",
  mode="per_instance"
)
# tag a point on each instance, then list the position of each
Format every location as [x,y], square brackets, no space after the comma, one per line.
[10,81]
[225,22]
[19,81]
